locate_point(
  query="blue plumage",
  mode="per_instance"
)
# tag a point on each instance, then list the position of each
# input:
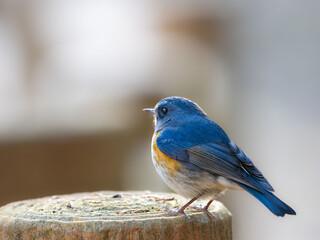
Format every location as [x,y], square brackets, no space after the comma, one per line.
[185,134]
[274,204]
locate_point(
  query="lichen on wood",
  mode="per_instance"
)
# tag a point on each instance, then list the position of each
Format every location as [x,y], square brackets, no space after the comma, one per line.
[111,215]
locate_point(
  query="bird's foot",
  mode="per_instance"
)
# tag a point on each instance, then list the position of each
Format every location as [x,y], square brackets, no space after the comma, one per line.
[175,213]
[210,215]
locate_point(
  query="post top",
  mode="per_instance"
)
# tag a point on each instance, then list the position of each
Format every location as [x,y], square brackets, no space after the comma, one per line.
[106,212]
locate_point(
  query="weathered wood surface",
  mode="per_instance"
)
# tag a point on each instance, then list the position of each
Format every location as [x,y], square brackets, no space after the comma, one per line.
[111,215]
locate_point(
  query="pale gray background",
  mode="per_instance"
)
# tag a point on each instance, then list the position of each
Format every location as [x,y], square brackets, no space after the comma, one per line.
[78,68]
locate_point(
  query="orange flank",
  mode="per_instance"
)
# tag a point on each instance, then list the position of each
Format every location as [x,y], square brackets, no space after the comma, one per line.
[162,160]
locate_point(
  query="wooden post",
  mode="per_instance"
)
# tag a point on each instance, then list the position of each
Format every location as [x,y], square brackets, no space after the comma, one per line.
[111,215]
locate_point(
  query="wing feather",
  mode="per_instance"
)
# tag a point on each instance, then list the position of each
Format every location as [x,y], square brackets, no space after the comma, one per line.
[215,154]
[220,160]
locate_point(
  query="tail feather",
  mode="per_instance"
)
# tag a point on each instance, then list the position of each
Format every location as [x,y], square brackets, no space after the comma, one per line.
[274,204]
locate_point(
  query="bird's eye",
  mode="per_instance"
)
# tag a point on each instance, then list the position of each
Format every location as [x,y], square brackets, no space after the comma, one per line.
[164,110]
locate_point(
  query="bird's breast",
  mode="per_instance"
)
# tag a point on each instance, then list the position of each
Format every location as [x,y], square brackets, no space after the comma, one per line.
[162,162]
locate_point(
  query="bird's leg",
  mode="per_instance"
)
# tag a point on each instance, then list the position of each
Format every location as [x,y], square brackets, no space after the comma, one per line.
[208,204]
[181,210]
[205,209]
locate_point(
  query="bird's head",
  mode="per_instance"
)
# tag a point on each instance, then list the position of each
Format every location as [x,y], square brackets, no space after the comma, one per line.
[173,111]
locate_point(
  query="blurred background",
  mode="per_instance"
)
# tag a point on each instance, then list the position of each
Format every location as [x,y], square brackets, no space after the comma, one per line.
[74,76]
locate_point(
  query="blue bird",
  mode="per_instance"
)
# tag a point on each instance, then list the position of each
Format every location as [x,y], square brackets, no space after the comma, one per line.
[196,158]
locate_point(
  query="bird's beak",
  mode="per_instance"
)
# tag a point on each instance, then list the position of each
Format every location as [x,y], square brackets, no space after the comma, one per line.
[151,110]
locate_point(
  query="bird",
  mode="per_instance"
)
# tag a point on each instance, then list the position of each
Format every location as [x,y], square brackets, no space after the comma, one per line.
[195,157]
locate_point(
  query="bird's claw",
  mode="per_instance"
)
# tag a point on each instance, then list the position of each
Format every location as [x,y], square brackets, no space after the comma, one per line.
[175,213]
[210,215]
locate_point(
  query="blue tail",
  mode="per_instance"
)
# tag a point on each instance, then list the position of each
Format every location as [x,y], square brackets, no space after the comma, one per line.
[274,204]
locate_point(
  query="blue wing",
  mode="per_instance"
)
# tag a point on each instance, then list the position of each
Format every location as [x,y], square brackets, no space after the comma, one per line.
[207,146]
